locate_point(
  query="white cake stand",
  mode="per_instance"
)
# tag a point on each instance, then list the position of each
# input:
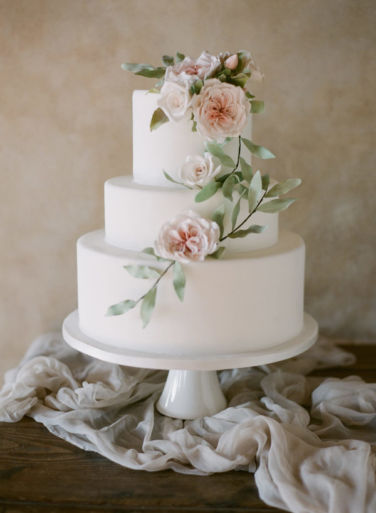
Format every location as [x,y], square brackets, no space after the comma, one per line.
[192,389]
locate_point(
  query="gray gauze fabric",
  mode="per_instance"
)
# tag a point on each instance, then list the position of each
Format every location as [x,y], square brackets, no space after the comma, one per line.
[309,441]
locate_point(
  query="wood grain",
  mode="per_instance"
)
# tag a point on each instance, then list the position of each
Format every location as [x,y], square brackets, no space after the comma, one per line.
[42,473]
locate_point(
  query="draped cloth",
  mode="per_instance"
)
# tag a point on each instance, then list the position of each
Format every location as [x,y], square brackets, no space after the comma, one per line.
[309,441]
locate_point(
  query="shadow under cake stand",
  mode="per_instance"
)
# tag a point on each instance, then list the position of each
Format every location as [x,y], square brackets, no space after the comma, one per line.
[192,389]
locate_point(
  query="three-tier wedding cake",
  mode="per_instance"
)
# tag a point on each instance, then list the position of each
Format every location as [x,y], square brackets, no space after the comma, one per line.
[191,260]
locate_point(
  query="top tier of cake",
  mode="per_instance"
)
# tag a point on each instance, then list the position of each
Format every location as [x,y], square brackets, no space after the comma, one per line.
[166,148]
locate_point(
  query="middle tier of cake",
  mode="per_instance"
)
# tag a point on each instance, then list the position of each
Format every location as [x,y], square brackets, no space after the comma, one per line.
[134,214]
[244,302]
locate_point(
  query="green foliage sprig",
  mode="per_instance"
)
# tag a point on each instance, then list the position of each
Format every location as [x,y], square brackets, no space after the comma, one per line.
[148,300]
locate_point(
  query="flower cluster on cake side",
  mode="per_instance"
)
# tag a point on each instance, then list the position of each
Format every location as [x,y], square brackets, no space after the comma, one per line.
[211,91]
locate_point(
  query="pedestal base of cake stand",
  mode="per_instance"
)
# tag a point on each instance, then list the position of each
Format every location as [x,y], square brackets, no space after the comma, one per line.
[192,389]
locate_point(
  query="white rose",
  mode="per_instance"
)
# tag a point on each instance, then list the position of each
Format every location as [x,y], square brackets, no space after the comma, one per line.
[174,100]
[187,238]
[184,72]
[198,170]
[207,65]
[220,110]
[188,71]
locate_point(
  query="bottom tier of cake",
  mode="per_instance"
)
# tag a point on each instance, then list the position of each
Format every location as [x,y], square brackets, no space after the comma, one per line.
[233,305]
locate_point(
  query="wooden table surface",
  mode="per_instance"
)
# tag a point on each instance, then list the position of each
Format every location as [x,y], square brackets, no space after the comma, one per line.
[40,472]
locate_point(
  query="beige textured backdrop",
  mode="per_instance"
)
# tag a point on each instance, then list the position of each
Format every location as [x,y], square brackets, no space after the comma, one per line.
[65,127]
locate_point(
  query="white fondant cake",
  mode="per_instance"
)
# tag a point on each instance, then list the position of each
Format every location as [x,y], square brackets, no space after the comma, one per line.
[251,298]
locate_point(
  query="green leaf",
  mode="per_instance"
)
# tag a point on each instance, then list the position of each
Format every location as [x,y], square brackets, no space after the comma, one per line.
[257,106]
[246,170]
[216,150]
[150,251]
[239,80]
[197,86]
[158,119]
[207,191]
[168,60]
[145,70]
[249,95]
[256,181]
[243,57]
[255,228]
[217,254]
[242,189]
[179,280]
[224,177]
[283,187]
[194,126]
[170,179]
[122,307]
[258,151]
[235,212]
[218,217]
[142,271]
[265,180]
[228,186]
[254,191]
[276,205]
[179,57]
[254,197]
[147,306]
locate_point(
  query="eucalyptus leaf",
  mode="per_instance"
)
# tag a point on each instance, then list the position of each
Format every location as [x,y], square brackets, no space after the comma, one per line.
[246,170]
[179,280]
[142,271]
[145,70]
[218,217]
[170,179]
[197,85]
[168,60]
[259,151]
[239,234]
[276,205]
[217,254]
[217,150]
[254,197]
[283,187]
[265,180]
[235,212]
[244,57]
[122,307]
[239,80]
[179,57]
[257,106]
[150,251]
[228,186]
[207,191]
[254,191]
[147,306]
[256,181]
[158,119]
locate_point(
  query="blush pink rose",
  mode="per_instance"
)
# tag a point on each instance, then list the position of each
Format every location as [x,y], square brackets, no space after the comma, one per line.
[187,238]
[232,62]
[220,110]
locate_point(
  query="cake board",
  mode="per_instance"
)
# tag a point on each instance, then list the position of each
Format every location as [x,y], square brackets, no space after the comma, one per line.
[192,389]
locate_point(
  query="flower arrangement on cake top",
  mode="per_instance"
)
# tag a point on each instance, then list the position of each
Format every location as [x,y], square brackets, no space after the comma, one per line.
[211,91]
